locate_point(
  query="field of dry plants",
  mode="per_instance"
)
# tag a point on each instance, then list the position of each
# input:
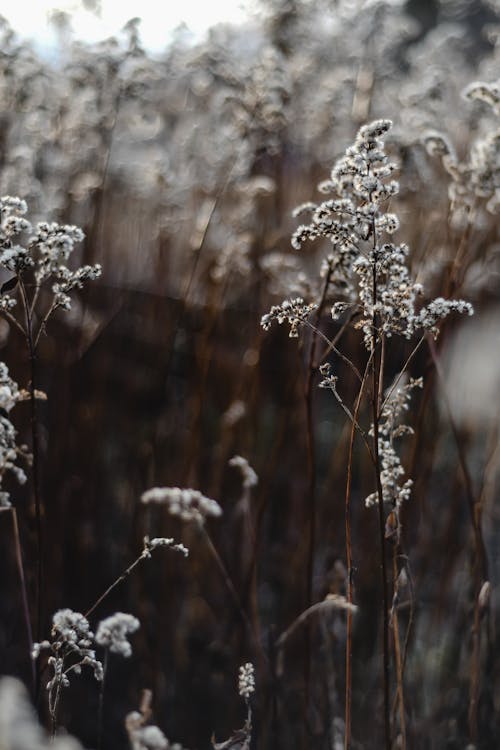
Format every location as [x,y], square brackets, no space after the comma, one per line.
[249,380]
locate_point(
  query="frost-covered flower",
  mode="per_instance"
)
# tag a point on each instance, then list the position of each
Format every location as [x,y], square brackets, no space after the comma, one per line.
[250,478]
[474,179]
[246,680]
[295,312]
[71,648]
[152,544]
[187,504]
[69,280]
[394,492]
[112,633]
[44,256]
[362,270]
[144,737]
[9,449]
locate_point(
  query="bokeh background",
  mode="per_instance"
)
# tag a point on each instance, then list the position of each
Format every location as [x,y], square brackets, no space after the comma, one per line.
[183,166]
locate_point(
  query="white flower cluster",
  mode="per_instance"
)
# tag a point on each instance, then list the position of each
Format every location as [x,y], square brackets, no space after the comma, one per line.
[13,257]
[390,428]
[246,681]
[112,633]
[187,504]
[46,252]
[295,312]
[477,177]
[370,275]
[250,478]
[71,649]
[9,450]
[144,736]
[69,280]
[152,544]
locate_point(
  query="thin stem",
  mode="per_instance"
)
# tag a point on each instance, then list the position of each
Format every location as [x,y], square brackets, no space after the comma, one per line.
[24,594]
[311,459]
[100,710]
[402,372]
[330,344]
[12,320]
[234,595]
[355,422]
[115,583]
[331,602]
[377,376]
[398,657]
[39,509]
[350,569]
[311,469]
[43,323]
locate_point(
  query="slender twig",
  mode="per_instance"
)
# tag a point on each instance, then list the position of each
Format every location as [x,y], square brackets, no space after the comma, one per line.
[234,595]
[330,344]
[332,601]
[24,594]
[311,470]
[115,583]
[377,375]
[14,322]
[402,371]
[311,459]
[100,710]
[350,569]
[39,509]
[398,657]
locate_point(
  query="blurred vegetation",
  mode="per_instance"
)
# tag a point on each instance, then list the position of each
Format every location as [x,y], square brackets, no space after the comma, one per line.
[183,169]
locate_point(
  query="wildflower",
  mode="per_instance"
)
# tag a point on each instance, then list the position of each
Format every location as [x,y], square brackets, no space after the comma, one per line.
[112,633]
[70,649]
[295,312]
[142,737]
[369,274]
[9,449]
[152,544]
[45,254]
[394,494]
[187,504]
[477,177]
[250,478]
[246,681]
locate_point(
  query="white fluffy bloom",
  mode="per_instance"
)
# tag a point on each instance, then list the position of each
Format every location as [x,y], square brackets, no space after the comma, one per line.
[368,274]
[9,450]
[246,680]
[71,648]
[152,544]
[112,633]
[144,736]
[250,478]
[187,504]
[295,312]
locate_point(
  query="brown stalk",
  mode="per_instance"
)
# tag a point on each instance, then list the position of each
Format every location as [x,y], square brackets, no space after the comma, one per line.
[350,570]
[24,594]
[39,508]
[377,376]
[398,655]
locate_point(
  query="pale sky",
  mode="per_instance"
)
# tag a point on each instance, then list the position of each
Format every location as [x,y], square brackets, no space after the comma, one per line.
[159,17]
